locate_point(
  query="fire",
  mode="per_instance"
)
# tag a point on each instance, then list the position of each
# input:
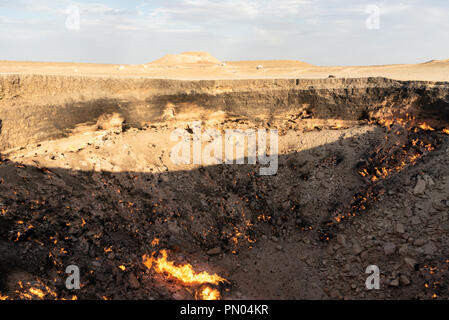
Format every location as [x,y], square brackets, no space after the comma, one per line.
[208,293]
[405,144]
[38,292]
[3,298]
[425,126]
[184,273]
[155,242]
[394,157]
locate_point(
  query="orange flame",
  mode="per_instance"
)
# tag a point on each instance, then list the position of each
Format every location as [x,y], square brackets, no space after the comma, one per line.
[446,131]
[40,292]
[155,242]
[184,273]
[208,293]
[425,126]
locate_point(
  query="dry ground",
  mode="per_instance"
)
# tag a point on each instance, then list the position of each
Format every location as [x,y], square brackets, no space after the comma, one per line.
[99,198]
[202,66]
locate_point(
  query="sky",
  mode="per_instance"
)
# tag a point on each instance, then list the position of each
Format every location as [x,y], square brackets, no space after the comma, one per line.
[321,32]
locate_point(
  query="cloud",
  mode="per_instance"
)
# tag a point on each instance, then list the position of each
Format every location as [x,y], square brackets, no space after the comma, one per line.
[320,31]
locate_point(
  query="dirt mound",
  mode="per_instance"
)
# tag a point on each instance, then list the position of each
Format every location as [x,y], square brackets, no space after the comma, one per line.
[186,58]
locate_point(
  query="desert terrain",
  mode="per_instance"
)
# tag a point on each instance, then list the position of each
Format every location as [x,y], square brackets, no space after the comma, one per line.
[86,179]
[203,66]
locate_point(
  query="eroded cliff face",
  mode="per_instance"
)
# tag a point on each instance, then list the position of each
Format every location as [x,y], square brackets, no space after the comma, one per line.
[34,108]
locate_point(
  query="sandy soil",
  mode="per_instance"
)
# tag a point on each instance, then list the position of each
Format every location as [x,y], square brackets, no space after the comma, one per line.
[203,66]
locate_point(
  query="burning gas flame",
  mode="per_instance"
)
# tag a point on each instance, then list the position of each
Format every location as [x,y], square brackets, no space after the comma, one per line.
[208,293]
[155,242]
[183,273]
[405,144]
[36,291]
[425,126]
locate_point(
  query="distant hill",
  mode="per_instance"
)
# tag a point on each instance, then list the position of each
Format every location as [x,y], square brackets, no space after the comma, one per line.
[187,58]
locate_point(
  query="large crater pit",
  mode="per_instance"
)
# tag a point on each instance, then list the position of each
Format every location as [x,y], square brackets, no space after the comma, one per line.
[87,180]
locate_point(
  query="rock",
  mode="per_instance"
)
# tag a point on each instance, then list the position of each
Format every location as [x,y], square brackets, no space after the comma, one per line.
[335,294]
[403,250]
[214,251]
[173,228]
[364,255]
[399,228]
[430,248]
[419,242]
[404,280]
[415,221]
[341,239]
[437,206]
[410,263]
[394,283]
[178,296]
[133,282]
[96,264]
[320,175]
[356,248]
[420,186]
[112,121]
[408,212]
[279,248]
[429,180]
[389,248]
